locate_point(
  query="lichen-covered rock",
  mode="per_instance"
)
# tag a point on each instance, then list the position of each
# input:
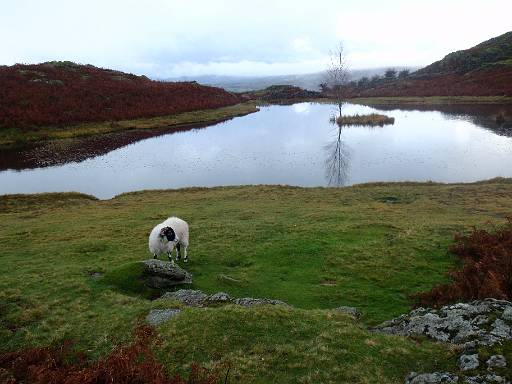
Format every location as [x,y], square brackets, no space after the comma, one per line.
[468,362]
[250,302]
[219,297]
[158,316]
[195,298]
[497,361]
[431,378]
[160,274]
[487,379]
[465,324]
[188,297]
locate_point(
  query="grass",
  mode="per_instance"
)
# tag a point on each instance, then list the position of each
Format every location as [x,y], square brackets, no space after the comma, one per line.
[433,100]
[20,137]
[372,119]
[369,246]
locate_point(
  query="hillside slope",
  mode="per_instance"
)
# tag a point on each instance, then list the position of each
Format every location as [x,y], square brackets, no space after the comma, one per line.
[60,93]
[484,70]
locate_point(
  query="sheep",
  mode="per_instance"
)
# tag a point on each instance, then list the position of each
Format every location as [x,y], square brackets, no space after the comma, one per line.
[171,233]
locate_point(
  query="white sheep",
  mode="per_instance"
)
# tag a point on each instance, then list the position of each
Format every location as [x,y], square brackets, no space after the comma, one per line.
[173,232]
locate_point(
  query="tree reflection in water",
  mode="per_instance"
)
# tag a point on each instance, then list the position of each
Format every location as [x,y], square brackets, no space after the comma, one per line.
[337,160]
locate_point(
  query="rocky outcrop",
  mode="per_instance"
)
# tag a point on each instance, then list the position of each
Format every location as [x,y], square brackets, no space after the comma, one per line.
[160,274]
[481,322]
[196,298]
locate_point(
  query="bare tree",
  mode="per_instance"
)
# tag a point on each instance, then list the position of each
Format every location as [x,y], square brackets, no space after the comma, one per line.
[337,74]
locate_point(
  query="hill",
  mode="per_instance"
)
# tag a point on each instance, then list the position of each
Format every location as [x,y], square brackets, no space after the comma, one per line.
[483,70]
[309,81]
[61,93]
[281,93]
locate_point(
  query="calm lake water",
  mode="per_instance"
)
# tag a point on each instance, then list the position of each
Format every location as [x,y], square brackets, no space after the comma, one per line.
[295,145]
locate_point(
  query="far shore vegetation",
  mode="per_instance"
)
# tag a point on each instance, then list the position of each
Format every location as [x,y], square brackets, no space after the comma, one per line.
[16,136]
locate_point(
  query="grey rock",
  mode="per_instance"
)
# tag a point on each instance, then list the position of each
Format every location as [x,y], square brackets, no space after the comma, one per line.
[501,329]
[250,302]
[464,324]
[160,274]
[219,297]
[468,362]
[497,361]
[431,378]
[159,316]
[507,313]
[474,380]
[352,311]
[493,378]
[188,297]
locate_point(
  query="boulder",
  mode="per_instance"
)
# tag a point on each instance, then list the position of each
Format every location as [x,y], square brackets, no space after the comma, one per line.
[468,362]
[250,302]
[195,298]
[190,297]
[431,378]
[465,324]
[160,274]
[497,361]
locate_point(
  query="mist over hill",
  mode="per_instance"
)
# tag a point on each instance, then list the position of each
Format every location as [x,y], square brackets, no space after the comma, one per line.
[308,81]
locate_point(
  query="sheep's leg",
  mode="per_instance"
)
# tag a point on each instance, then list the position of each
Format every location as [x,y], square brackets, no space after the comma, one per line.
[155,256]
[177,251]
[169,255]
[185,258]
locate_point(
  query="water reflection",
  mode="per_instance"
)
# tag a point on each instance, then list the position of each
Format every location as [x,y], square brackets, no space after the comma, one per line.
[293,145]
[495,117]
[337,161]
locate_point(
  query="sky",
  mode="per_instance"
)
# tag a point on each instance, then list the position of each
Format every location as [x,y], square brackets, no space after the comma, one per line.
[171,38]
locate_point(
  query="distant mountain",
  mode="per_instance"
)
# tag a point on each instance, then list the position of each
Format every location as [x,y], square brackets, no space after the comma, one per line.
[484,70]
[62,92]
[308,81]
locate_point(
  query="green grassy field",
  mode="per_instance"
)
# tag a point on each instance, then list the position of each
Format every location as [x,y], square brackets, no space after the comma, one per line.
[20,137]
[369,246]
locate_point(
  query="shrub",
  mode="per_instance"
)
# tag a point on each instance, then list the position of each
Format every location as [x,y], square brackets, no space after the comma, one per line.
[134,363]
[485,271]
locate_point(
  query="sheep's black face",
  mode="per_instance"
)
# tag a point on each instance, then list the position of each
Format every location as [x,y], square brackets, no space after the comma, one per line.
[168,233]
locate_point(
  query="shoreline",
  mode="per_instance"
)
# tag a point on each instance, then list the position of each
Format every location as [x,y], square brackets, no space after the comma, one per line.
[14,138]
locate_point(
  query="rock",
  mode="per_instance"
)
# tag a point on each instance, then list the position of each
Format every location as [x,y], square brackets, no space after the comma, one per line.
[195,298]
[188,297]
[501,329]
[219,297]
[507,313]
[497,361]
[250,302]
[158,316]
[493,378]
[352,311]
[431,378]
[160,274]
[464,324]
[468,362]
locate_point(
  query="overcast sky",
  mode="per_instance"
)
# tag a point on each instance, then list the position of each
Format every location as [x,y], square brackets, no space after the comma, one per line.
[166,38]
